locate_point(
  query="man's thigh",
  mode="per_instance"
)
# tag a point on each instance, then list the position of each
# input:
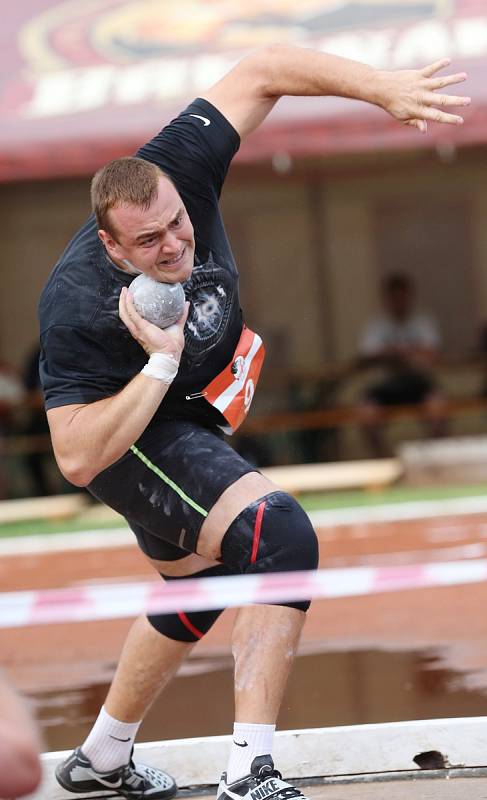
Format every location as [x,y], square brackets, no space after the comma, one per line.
[170,483]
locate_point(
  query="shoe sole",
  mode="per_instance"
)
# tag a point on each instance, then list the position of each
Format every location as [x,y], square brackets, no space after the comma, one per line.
[93,793]
[104,793]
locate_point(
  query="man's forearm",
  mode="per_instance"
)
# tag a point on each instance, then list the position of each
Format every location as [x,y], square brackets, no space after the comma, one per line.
[301,72]
[89,438]
[247,94]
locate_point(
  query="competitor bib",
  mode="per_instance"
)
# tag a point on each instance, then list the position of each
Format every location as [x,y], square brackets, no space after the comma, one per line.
[232,391]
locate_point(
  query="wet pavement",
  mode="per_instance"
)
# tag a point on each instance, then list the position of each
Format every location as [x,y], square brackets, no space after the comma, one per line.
[325,689]
[473,788]
[376,658]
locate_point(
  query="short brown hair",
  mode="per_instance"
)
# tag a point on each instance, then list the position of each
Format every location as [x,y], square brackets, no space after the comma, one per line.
[124,181]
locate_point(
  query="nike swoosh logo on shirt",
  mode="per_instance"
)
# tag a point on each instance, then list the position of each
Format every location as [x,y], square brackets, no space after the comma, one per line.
[204,120]
[240,744]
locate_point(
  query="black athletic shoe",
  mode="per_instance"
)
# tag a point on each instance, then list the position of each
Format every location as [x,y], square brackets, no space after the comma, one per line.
[133,781]
[263,782]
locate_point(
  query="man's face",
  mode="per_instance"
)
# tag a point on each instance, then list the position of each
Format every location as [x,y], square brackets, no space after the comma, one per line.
[158,241]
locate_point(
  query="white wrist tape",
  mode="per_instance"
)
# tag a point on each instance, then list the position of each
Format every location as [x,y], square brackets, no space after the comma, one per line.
[162,366]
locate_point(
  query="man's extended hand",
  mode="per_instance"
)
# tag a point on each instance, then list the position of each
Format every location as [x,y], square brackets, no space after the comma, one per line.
[411,96]
[149,336]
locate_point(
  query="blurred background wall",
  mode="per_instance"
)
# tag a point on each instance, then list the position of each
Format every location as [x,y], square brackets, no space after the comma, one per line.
[319,239]
[322,202]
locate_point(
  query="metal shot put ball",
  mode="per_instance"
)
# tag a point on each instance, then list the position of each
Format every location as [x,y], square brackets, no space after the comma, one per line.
[159,303]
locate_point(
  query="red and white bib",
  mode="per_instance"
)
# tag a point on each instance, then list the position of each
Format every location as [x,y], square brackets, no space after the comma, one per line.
[232,391]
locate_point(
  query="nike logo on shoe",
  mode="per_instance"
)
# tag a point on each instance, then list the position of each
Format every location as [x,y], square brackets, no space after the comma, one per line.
[204,120]
[110,784]
[241,744]
[117,739]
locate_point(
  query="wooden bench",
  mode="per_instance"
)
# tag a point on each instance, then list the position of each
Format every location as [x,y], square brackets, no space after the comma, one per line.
[52,508]
[367,474]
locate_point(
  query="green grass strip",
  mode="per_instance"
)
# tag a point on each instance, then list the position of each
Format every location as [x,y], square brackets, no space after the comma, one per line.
[169,482]
[322,501]
[36,527]
[325,501]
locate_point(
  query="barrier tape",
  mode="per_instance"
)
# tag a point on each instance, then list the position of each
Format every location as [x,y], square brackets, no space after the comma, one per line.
[116,600]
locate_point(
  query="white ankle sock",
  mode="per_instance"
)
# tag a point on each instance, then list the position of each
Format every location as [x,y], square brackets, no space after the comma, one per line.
[109,742]
[249,741]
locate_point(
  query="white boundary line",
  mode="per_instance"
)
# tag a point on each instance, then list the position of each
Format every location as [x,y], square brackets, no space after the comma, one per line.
[105,538]
[101,538]
[395,512]
[313,752]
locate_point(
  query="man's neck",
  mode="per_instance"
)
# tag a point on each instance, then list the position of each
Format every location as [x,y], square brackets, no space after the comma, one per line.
[125,265]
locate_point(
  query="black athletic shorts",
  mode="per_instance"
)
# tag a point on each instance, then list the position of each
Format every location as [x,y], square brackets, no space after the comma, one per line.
[167,482]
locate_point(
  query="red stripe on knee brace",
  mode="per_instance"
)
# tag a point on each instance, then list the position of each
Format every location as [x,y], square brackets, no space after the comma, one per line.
[257,530]
[189,625]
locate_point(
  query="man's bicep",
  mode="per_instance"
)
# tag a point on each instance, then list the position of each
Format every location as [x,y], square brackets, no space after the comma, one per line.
[240,96]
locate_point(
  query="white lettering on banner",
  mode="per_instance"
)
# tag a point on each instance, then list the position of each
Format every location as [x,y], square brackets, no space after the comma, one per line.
[151,79]
[75,90]
[207,70]
[71,91]
[430,41]
[470,37]
[372,47]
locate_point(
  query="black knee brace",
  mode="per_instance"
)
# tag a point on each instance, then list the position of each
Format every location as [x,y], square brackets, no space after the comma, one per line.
[191,626]
[272,534]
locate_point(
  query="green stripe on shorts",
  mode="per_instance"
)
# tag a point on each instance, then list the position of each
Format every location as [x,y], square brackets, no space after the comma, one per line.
[135,450]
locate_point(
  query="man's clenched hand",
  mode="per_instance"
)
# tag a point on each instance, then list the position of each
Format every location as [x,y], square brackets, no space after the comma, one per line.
[149,336]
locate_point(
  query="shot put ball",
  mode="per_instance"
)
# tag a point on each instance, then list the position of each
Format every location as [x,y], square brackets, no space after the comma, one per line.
[159,303]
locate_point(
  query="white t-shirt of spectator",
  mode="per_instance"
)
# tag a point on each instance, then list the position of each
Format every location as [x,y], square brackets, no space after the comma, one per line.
[383,332]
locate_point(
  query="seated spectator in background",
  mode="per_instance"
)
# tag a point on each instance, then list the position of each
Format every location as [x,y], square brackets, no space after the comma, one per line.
[404,344]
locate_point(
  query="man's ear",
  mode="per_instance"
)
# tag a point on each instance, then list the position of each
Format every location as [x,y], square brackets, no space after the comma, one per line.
[108,241]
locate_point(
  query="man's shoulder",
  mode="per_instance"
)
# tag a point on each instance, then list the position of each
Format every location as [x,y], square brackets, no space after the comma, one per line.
[74,278]
[195,149]
[79,250]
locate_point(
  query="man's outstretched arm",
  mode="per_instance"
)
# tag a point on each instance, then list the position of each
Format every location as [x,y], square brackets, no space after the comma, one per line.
[247,94]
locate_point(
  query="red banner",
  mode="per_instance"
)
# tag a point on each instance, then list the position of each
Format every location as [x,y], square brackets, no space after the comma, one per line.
[83,82]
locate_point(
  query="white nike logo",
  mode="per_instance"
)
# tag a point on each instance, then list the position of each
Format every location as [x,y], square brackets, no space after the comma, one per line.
[110,784]
[204,120]
[231,794]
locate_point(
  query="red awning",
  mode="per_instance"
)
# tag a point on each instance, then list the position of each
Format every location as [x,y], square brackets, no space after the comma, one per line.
[84,82]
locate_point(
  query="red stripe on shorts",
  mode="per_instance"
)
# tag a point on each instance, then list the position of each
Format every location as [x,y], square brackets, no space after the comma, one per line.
[257,529]
[189,625]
